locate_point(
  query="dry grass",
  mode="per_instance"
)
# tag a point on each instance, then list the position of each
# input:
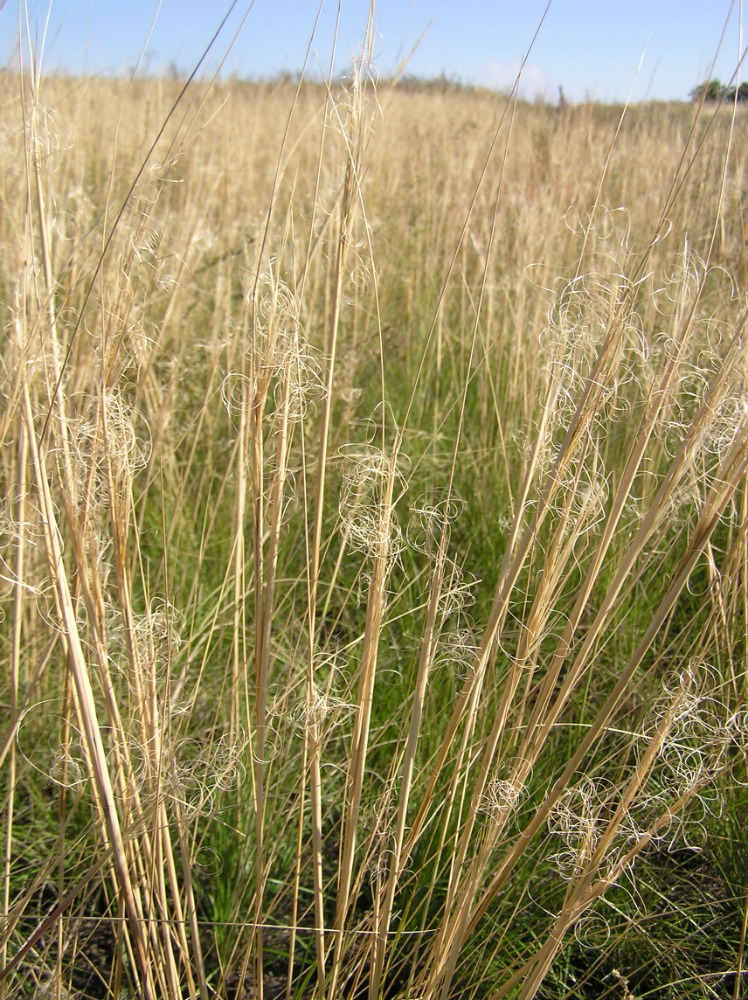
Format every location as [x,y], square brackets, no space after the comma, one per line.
[374,537]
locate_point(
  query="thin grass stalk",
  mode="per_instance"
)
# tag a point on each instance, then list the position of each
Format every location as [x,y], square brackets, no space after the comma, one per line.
[265,577]
[313,737]
[537,726]
[581,601]
[376,596]
[743,597]
[11,736]
[541,962]
[174,922]
[438,576]
[514,559]
[191,906]
[470,691]
[15,671]
[153,855]
[294,922]
[463,888]
[345,222]
[651,522]
[108,238]
[360,738]
[313,751]
[458,930]
[437,319]
[313,744]
[50,921]
[162,914]
[587,889]
[257,507]
[56,400]
[145,852]
[729,479]
[738,989]
[617,509]
[557,559]
[426,659]
[239,631]
[67,706]
[87,709]
[239,692]
[331,352]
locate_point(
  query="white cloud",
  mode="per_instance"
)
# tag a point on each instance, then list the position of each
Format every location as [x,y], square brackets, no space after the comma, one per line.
[502,76]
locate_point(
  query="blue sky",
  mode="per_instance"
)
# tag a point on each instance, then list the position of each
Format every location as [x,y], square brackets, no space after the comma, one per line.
[604,49]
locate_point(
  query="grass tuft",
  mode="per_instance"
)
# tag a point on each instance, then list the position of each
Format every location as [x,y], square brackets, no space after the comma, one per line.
[373,574]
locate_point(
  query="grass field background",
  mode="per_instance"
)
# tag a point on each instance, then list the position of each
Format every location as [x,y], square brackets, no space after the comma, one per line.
[373,569]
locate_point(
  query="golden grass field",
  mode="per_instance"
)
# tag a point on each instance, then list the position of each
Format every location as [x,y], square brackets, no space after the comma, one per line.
[373,568]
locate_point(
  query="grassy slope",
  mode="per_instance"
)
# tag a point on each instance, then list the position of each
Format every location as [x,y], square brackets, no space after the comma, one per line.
[374,543]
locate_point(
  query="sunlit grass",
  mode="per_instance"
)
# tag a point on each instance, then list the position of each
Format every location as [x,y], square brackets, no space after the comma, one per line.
[374,536]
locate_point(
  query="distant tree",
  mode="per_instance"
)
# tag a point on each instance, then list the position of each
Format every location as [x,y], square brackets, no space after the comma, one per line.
[741,94]
[710,90]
